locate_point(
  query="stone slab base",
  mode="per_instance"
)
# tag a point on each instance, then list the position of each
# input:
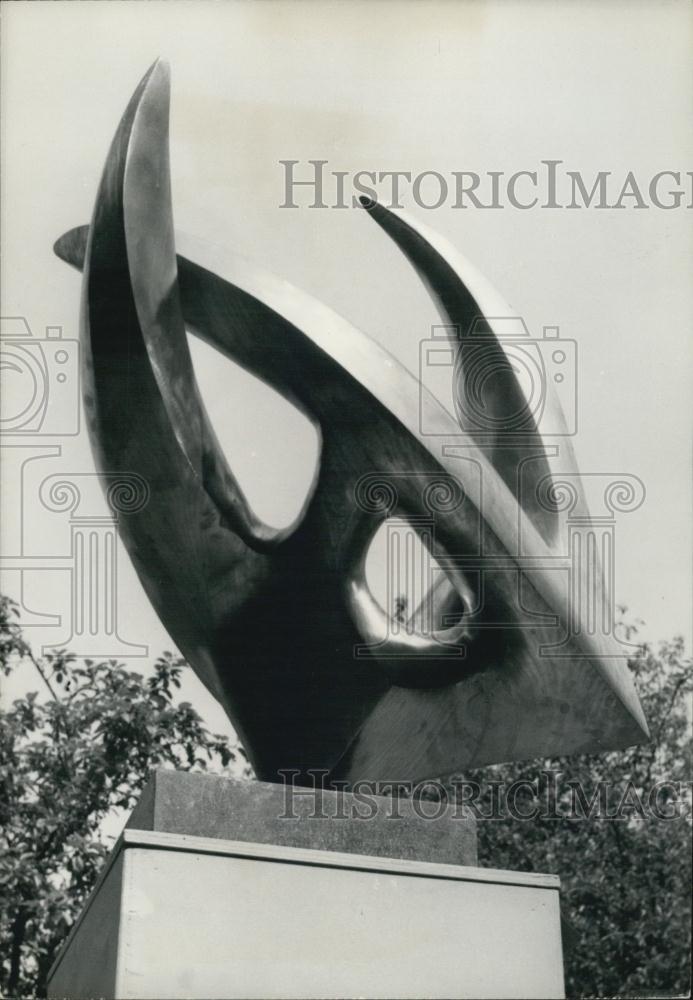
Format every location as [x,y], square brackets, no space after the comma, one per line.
[183,916]
[205,805]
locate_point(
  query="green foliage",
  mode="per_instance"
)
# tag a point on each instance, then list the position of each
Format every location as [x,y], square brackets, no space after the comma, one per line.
[625,874]
[67,761]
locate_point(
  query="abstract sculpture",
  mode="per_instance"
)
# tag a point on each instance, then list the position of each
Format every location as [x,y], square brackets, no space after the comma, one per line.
[280,624]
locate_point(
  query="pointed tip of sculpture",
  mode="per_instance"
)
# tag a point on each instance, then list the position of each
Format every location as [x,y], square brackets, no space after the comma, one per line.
[154,86]
[71,246]
[160,67]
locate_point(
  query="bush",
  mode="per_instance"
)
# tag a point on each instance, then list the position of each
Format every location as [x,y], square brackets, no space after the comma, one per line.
[67,762]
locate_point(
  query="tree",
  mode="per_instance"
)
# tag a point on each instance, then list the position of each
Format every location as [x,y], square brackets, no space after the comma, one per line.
[616,828]
[67,761]
[400,612]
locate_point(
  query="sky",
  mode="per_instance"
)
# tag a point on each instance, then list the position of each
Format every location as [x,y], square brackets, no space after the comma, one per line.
[365,86]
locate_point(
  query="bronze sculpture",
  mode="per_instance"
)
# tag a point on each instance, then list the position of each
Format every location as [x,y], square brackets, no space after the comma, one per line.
[280,625]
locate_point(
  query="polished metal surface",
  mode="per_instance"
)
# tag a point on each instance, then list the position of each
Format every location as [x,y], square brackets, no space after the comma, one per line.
[280,624]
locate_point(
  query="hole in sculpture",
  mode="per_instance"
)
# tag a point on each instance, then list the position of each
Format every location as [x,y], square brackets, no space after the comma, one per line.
[408,582]
[271,447]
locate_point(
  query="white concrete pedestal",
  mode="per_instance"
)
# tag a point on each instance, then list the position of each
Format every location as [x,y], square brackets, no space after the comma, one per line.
[186,916]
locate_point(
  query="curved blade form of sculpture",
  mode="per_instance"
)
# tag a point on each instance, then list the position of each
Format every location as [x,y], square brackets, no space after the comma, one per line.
[281,625]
